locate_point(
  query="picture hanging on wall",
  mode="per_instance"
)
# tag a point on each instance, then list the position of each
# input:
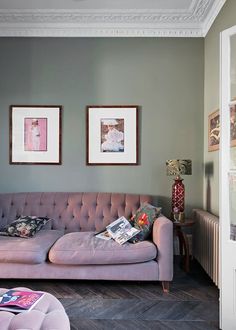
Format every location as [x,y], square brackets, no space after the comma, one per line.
[112,135]
[214,131]
[233,123]
[35,134]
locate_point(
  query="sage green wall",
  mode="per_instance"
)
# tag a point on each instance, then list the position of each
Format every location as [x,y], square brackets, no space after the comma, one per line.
[225,19]
[163,76]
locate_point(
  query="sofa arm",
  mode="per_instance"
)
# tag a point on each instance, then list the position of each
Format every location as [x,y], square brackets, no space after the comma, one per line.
[163,239]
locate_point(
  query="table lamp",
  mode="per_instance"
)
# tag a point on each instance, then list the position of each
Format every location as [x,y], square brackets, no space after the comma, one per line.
[178,167]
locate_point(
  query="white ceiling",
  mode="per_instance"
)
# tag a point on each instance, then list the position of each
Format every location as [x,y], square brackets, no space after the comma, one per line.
[99,4]
[111,18]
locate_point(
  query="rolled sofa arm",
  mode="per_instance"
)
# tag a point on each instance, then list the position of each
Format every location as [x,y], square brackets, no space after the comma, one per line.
[163,239]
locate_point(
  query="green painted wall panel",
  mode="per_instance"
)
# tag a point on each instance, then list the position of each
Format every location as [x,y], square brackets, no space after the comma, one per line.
[164,76]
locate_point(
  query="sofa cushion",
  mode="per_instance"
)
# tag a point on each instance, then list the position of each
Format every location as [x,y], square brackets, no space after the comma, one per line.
[25,226]
[143,220]
[28,251]
[83,248]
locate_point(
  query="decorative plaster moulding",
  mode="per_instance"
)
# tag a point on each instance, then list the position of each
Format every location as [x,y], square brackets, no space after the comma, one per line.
[193,22]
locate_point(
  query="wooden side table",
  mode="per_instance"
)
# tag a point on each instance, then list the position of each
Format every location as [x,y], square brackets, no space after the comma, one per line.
[183,240]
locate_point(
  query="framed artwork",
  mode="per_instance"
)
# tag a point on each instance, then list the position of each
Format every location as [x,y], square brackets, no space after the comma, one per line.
[35,134]
[112,135]
[233,124]
[214,131]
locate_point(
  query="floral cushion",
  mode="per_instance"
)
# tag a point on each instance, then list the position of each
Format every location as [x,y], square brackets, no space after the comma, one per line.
[143,220]
[25,226]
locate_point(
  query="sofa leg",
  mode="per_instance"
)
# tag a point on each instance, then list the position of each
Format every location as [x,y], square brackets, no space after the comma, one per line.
[166,286]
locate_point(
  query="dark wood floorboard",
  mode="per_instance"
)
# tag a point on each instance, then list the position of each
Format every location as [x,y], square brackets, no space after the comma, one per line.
[193,302]
[141,325]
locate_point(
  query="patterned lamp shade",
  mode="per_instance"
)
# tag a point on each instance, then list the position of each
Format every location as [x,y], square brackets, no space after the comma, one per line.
[178,167]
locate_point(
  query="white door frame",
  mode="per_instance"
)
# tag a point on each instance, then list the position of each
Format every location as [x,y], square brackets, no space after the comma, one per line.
[227,246]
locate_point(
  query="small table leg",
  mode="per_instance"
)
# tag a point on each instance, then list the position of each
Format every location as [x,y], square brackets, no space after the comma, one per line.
[183,246]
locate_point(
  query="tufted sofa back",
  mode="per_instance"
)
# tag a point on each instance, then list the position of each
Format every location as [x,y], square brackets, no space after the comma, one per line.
[73,211]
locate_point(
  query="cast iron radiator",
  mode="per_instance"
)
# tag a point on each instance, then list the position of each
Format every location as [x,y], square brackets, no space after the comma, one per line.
[206,242]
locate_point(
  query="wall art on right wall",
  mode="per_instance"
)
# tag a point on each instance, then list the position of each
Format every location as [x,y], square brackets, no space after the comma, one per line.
[233,123]
[214,131]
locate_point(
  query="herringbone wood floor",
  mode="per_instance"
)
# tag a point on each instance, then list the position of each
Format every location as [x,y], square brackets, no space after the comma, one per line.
[191,304]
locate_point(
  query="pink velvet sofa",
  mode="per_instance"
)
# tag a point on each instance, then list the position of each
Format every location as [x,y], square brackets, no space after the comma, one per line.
[67,248]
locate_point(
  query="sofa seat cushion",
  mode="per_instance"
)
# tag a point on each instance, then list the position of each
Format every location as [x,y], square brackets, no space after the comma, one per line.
[28,251]
[83,248]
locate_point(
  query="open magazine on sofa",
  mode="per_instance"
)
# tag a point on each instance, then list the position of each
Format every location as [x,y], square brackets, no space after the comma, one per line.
[120,230]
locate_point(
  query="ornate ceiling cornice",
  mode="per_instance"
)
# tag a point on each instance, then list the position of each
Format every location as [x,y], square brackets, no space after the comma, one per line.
[193,22]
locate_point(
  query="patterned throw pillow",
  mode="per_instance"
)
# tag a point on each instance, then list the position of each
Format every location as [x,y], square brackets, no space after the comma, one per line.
[143,220]
[25,226]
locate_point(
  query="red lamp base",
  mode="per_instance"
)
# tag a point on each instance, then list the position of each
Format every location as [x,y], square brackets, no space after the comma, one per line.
[178,192]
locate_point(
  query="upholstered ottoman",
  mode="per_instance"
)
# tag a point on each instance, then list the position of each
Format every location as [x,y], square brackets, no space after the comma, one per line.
[48,314]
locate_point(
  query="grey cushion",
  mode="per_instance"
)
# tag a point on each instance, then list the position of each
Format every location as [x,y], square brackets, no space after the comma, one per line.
[30,251]
[83,248]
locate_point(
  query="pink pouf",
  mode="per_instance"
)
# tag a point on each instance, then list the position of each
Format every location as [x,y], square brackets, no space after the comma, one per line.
[48,313]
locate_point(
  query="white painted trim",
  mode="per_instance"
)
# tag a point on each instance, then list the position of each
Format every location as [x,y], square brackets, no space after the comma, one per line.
[98,32]
[109,23]
[227,246]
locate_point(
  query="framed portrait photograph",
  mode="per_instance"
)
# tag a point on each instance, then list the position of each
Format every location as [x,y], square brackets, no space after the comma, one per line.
[112,135]
[233,123]
[35,134]
[214,131]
